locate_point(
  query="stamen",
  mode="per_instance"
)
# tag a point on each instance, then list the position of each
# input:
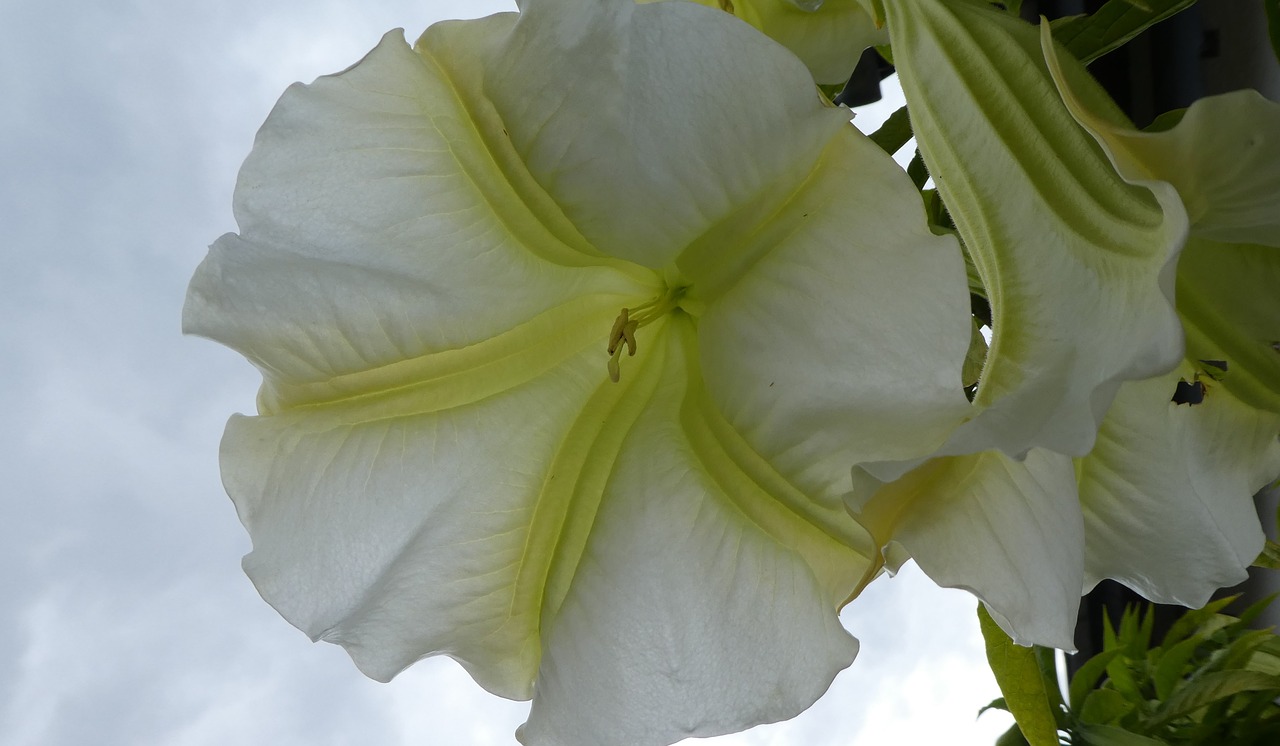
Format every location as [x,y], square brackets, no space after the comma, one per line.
[629,320]
[615,335]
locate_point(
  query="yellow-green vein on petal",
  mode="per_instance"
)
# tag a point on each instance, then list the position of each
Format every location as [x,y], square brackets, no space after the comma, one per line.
[375,223]
[1222,157]
[1078,264]
[577,477]
[401,536]
[452,378]
[681,600]
[836,548]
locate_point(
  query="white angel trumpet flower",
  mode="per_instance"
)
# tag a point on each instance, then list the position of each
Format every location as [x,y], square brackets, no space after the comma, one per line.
[1167,490]
[1160,494]
[571,324]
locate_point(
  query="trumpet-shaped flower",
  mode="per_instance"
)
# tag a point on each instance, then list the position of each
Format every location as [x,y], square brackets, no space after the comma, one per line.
[571,324]
[1075,223]
[1164,467]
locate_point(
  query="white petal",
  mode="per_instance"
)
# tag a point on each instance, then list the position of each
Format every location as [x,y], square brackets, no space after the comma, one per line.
[399,529]
[650,124]
[686,616]
[376,229]
[1168,491]
[1223,156]
[1227,300]
[827,36]
[841,331]
[1078,264]
[1008,531]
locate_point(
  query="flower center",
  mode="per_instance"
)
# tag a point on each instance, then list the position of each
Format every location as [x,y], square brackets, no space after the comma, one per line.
[632,319]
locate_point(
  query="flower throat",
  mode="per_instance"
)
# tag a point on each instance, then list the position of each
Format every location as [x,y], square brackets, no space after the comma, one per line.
[629,320]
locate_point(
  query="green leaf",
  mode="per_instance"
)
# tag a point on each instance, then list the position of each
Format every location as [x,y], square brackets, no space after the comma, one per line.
[1172,666]
[1270,556]
[1122,679]
[1266,659]
[894,133]
[1113,25]
[996,704]
[1192,620]
[1111,735]
[918,172]
[975,357]
[1047,659]
[885,51]
[1211,688]
[1166,121]
[1087,676]
[1019,675]
[1105,706]
[1273,24]
[1256,608]
[1237,655]
[1012,737]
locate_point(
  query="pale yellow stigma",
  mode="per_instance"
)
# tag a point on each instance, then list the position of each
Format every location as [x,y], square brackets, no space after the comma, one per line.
[629,320]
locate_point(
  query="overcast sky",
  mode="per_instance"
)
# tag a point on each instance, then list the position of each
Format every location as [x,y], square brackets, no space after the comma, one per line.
[124,616]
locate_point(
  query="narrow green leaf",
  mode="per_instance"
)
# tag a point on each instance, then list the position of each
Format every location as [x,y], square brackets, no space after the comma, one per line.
[1111,735]
[976,357]
[1118,670]
[1047,660]
[1021,682]
[1211,688]
[918,172]
[885,51]
[1273,24]
[1266,659]
[1166,121]
[1146,627]
[1256,608]
[894,133]
[1270,557]
[1172,667]
[1192,620]
[1113,25]
[1105,706]
[1014,7]
[1242,649]
[996,704]
[1087,677]
[1012,737]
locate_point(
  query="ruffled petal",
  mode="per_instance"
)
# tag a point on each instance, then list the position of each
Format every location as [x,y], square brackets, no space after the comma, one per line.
[1078,264]
[1008,531]
[1227,297]
[1223,156]
[376,233]
[828,37]
[696,609]
[836,330]
[399,528]
[1167,493]
[649,124]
